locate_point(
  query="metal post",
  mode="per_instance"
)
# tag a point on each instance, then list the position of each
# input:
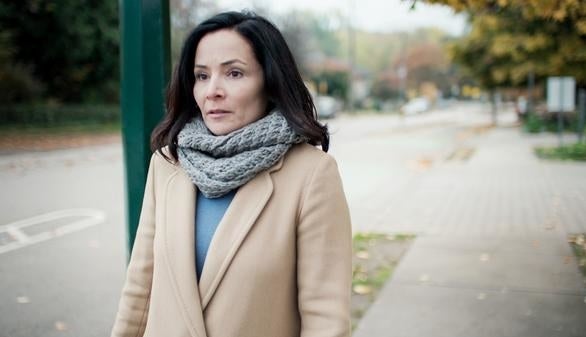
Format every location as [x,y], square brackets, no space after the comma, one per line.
[560,109]
[351,56]
[530,86]
[145,60]
[582,113]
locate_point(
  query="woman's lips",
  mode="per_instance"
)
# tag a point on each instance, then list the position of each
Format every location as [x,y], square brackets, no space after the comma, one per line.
[216,113]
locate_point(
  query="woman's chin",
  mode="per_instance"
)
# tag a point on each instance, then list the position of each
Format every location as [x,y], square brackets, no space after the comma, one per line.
[220,129]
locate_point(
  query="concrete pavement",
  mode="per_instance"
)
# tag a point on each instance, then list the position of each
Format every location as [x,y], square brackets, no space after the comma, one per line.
[492,257]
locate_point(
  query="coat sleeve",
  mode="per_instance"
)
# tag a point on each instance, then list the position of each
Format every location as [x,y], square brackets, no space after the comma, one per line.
[324,255]
[134,302]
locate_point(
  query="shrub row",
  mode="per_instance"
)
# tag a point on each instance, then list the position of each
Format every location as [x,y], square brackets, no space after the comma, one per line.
[549,123]
[58,115]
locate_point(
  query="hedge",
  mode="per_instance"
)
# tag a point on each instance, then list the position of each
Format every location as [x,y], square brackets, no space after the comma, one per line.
[58,115]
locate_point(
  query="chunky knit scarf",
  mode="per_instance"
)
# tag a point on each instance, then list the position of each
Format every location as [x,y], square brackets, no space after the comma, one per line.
[219,164]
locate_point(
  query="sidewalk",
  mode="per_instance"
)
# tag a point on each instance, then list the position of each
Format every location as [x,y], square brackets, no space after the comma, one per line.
[492,257]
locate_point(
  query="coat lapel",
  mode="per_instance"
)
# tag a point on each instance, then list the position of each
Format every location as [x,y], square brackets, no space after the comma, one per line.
[239,218]
[179,244]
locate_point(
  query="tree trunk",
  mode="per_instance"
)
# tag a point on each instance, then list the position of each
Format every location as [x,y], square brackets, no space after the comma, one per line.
[493,107]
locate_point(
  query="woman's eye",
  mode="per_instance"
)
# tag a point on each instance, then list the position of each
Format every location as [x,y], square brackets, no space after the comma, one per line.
[235,73]
[200,76]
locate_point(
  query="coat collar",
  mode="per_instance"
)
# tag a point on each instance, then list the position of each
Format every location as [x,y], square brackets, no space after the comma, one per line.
[179,241]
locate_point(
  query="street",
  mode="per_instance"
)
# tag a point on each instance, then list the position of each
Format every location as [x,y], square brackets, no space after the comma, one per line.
[67,282]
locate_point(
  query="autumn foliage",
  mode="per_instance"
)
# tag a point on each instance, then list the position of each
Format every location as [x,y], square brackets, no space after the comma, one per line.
[509,39]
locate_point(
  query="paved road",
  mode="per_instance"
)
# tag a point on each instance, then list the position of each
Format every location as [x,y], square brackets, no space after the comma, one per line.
[69,285]
[383,158]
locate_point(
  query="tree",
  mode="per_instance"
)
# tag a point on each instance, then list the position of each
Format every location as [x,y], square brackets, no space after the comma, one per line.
[17,83]
[69,46]
[426,62]
[513,40]
[520,37]
[185,15]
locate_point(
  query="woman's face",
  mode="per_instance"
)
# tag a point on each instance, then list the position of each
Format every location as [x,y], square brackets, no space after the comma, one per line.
[229,82]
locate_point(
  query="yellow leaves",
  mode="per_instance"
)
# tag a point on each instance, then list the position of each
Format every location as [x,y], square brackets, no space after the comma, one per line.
[581,26]
[503,44]
[511,38]
[362,289]
[490,22]
[499,74]
[536,42]
[532,9]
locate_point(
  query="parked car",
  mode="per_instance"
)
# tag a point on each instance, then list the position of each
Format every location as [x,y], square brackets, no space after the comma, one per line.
[415,106]
[327,106]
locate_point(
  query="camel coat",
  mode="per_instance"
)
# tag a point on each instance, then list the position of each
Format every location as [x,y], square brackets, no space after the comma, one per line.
[279,264]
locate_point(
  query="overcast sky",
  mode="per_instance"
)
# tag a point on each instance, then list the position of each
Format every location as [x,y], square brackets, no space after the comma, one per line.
[373,15]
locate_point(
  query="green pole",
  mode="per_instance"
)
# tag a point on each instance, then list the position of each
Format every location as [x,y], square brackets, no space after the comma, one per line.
[145,64]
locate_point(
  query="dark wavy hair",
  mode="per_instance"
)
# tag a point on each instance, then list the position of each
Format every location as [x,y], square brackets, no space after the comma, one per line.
[283,84]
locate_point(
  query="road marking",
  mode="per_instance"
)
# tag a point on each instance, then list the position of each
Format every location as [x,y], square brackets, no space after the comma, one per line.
[15,230]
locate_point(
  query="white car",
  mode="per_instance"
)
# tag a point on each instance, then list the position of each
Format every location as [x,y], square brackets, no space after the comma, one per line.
[415,106]
[326,106]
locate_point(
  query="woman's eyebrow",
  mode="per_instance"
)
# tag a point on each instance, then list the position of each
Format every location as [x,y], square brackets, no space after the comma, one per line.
[229,62]
[225,63]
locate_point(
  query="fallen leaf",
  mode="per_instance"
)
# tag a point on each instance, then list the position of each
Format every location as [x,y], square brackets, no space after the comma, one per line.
[23,299]
[484,257]
[362,255]
[567,259]
[362,289]
[60,326]
[361,277]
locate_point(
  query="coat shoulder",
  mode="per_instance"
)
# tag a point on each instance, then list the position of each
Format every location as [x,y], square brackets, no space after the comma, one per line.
[302,161]
[307,155]
[163,163]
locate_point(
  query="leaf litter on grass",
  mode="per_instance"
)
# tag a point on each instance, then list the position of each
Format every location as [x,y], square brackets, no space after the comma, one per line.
[373,262]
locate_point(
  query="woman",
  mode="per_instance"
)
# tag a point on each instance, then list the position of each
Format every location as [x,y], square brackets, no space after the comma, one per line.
[244,230]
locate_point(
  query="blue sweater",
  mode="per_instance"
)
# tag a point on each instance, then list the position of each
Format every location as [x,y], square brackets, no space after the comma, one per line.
[208,214]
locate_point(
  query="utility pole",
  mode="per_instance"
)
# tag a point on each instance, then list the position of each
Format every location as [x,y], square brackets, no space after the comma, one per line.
[145,69]
[582,113]
[530,87]
[351,55]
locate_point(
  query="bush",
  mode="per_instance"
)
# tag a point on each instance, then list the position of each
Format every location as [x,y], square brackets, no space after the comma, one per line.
[567,152]
[535,123]
[48,115]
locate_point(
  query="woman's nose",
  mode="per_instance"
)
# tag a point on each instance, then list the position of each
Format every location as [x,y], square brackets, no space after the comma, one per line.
[215,89]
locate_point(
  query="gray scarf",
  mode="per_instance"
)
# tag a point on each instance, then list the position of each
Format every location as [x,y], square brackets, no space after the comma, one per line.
[219,164]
